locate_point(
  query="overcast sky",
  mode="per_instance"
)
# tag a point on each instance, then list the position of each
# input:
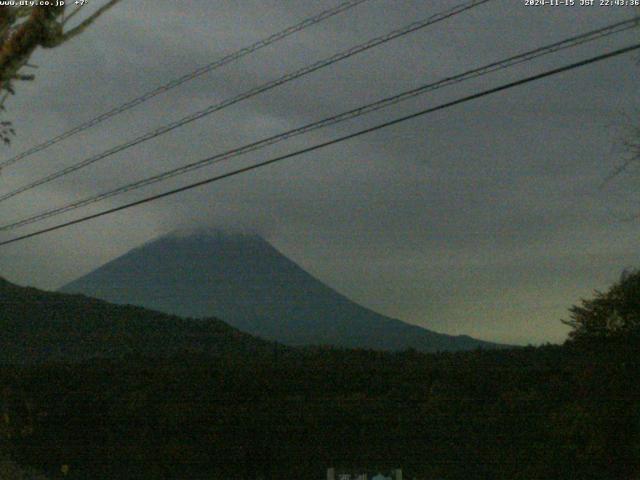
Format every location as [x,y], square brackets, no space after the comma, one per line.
[486,219]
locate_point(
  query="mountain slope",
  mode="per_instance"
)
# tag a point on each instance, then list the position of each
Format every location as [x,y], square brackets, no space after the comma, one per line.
[242,279]
[38,326]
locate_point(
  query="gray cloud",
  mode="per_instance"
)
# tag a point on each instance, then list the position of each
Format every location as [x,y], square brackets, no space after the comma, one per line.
[486,219]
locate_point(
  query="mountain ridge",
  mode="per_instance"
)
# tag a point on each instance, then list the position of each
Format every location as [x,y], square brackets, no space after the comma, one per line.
[38,327]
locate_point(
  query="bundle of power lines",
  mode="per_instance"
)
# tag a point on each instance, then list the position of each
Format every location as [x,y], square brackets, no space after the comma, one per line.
[381,104]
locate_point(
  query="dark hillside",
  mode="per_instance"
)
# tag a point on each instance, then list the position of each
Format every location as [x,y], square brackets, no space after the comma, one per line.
[38,326]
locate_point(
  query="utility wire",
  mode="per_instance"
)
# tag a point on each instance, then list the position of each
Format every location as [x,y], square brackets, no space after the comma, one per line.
[232,57]
[342,117]
[319,146]
[251,93]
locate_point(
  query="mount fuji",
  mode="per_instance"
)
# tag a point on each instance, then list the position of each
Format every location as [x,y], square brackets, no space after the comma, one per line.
[243,280]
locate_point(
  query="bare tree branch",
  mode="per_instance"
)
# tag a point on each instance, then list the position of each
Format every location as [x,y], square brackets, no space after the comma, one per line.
[630,143]
[23,29]
[72,14]
[39,28]
[86,23]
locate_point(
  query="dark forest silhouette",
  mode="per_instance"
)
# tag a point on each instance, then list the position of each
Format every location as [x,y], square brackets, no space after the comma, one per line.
[567,411]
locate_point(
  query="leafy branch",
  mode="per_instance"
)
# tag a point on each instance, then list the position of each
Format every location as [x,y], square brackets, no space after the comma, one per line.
[22,31]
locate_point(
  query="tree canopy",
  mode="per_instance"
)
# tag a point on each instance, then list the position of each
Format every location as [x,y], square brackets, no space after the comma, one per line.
[614,314]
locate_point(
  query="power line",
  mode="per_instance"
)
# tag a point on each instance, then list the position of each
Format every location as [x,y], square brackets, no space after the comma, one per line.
[232,57]
[342,117]
[319,146]
[251,93]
